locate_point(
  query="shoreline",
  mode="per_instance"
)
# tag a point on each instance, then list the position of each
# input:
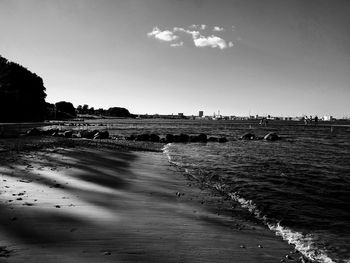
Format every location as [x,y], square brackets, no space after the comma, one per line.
[94,204]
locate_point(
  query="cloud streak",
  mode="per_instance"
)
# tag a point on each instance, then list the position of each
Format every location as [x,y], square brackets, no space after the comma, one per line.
[196,34]
[198,27]
[180,44]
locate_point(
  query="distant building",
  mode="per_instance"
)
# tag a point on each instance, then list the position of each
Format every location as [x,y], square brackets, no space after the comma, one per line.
[327,118]
[200,114]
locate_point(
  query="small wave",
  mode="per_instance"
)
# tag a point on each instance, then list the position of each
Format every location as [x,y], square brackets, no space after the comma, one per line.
[303,243]
[166,151]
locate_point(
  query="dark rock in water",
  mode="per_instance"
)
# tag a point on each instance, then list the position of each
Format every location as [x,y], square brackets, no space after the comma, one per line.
[176,138]
[248,136]
[222,139]
[33,132]
[50,131]
[55,134]
[214,177]
[118,137]
[143,137]
[68,134]
[202,137]
[4,252]
[169,138]
[88,134]
[154,138]
[132,137]
[213,139]
[272,136]
[184,137]
[101,135]
[181,138]
[194,138]
[199,138]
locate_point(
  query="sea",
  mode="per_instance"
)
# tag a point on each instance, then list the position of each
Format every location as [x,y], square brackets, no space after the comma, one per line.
[299,186]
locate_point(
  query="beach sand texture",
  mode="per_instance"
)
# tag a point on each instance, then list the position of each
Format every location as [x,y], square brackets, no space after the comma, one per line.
[97,205]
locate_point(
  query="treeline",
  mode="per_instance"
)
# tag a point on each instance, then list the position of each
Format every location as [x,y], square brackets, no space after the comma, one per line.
[111,112]
[66,110]
[22,98]
[22,94]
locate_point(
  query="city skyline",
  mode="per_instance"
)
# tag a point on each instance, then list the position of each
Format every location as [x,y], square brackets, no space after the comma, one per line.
[242,57]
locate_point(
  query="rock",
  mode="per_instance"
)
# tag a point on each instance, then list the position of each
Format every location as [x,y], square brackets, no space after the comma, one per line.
[214,177]
[199,138]
[248,136]
[132,137]
[50,132]
[181,138]
[213,139]
[143,137]
[272,136]
[163,140]
[101,135]
[194,138]
[169,138]
[154,138]
[68,134]
[222,139]
[57,134]
[33,132]
[202,137]
[87,134]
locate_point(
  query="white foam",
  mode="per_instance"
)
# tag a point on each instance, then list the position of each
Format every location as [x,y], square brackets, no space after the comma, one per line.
[303,243]
[167,153]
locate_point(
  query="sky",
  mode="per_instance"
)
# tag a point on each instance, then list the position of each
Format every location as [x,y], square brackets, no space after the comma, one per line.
[277,57]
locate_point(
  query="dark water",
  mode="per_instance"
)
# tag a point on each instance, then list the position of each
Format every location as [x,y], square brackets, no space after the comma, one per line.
[299,186]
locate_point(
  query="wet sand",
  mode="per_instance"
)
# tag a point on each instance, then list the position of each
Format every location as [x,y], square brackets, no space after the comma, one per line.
[85,204]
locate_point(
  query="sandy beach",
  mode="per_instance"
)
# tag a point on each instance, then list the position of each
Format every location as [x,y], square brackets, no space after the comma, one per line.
[88,204]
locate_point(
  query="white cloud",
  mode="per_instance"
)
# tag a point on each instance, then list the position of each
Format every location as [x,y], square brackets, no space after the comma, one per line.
[210,41]
[218,29]
[194,34]
[230,44]
[180,44]
[165,35]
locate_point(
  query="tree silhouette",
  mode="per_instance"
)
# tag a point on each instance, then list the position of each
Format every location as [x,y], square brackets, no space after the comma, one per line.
[85,109]
[118,112]
[65,110]
[79,109]
[22,93]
